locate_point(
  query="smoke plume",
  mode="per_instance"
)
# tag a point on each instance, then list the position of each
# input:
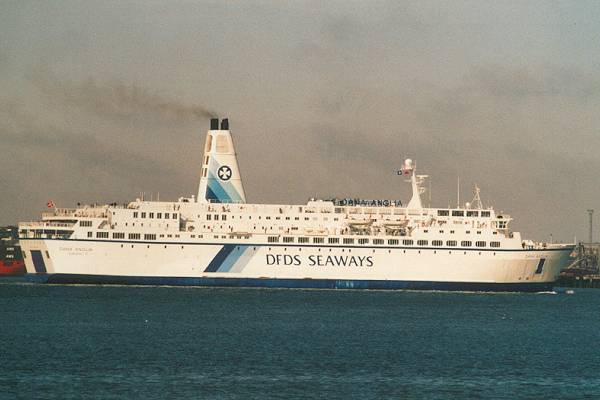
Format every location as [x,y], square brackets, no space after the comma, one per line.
[116,99]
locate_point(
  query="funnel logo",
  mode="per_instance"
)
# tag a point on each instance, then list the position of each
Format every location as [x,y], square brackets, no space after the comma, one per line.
[224,173]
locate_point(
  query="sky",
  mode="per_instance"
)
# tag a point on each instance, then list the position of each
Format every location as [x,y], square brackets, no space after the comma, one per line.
[100,101]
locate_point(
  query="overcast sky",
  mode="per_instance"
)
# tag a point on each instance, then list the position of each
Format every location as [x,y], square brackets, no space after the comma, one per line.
[100,101]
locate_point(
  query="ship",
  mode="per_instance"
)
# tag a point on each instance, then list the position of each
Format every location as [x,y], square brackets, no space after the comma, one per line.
[11,260]
[216,238]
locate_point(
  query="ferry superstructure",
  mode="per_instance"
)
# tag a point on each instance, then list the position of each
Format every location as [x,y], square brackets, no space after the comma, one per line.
[217,239]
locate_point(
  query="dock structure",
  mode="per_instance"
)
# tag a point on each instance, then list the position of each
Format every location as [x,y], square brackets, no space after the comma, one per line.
[584,271]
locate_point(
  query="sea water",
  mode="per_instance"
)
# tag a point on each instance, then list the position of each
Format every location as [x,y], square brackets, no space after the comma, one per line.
[114,342]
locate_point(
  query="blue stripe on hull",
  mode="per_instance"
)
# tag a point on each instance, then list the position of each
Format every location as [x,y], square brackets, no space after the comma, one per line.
[292,283]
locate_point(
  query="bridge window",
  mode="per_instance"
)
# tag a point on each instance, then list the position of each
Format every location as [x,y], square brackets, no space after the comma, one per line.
[494,244]
[273,239]
[318,240]
[443,213]
[458,213]
[103,235]
[85,223]
[118,235]
[363,241]
[135,214]
[451,243]
[348,241]
[480,244]
[288,239]
[437,243]
[472,213]
[158,215]
[466,243]
[134,236]
[422,242]
[407,242]
[485,213]
[378,241]
[149,236]
[151,215]
[89,234]
[143,215]
[302,240]
[393,242]
[333,240]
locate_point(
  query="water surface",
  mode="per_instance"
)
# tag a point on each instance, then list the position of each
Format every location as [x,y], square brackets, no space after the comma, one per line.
[63,342]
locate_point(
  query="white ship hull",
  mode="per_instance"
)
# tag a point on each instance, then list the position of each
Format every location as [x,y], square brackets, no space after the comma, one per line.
[309,266]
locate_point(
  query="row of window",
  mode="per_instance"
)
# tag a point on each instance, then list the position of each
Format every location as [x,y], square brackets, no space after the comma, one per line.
[393,242]
[462,213]
[319,240]
[223,217]
[152,215]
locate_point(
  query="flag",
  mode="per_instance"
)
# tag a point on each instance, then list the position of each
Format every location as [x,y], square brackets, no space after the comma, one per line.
[50,204]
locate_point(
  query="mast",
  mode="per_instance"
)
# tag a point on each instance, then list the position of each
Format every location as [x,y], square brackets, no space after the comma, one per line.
[409,169]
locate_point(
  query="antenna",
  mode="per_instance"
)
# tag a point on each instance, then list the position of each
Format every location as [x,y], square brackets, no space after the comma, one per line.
[429,193]
[458,192]
[591,213]
[476,198]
